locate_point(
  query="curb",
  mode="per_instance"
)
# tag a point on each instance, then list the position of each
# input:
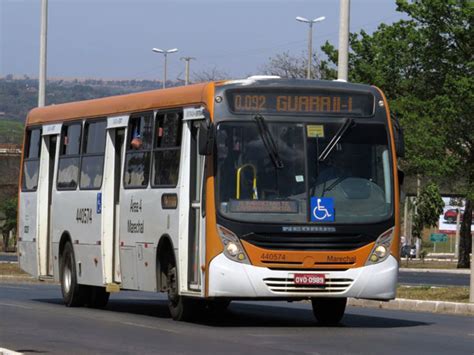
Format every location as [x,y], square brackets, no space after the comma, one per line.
[402,304]
[445,271]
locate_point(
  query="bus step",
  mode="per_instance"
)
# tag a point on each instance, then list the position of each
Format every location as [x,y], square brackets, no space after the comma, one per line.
[46,278]
[112,287]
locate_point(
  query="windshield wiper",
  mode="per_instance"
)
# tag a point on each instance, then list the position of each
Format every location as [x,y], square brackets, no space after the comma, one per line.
[337,137]
[268,141]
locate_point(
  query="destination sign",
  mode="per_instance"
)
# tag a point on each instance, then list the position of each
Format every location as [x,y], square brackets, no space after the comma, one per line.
[263,206]
[316,102]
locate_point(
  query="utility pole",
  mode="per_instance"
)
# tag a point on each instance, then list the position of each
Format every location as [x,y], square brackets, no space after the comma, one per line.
[310,39]
[165,53]
[43,48]
[458,227]
[471,291]
[187,60]
[418,240]
[343,60]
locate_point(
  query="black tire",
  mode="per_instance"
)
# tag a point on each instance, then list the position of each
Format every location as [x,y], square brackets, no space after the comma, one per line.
[216,307]
[329,311]
[97,297]
[181,308]
[74,295]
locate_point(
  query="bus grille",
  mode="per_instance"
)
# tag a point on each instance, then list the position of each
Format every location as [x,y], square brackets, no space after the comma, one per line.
[334,242]
[287,285]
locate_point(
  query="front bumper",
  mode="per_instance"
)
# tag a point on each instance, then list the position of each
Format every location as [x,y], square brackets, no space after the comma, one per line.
[235,280]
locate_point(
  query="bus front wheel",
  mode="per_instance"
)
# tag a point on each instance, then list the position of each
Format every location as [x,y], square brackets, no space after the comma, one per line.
[74,294]
[329,311]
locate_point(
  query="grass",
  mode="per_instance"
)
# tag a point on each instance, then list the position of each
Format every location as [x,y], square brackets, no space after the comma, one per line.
[431,293]
[11,131]
[11,269]
[416,264]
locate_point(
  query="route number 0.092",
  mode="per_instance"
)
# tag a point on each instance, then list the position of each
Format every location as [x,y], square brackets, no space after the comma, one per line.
[249,102]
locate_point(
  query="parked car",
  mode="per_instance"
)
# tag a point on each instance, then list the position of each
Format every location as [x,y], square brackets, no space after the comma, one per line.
[408,251]
[451,215]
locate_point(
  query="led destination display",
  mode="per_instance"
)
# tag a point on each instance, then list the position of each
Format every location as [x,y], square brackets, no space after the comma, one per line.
[302,102]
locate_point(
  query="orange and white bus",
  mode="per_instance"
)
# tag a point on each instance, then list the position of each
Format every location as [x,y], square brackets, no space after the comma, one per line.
[262,188]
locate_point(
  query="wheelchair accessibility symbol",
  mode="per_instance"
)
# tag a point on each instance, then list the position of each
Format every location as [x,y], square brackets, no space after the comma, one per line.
[322,209]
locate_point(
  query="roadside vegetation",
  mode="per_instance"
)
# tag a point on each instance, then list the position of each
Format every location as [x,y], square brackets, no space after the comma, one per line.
[419,264]
[432,293]
[11,269]
[11,131]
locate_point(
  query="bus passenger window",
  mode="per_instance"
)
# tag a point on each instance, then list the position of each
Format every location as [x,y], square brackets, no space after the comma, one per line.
[92,164]
[167,148]
[137,159]
[69,158]
[31,163]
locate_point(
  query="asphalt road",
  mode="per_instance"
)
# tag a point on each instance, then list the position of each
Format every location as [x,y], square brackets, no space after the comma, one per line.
[8,257]
[33,320]
[433,278]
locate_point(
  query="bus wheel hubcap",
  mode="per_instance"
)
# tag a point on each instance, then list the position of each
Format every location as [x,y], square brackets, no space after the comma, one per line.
[67,278]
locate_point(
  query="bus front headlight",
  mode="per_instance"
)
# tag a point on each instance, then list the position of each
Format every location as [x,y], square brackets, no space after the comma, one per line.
[381,249]
[233,249]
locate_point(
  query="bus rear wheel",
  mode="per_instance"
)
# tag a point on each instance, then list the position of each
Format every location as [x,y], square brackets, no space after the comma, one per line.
[74,294]
[181,308]
[97,296]
[329,311]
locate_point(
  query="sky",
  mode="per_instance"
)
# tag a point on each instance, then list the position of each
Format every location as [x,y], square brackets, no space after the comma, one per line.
[112,39]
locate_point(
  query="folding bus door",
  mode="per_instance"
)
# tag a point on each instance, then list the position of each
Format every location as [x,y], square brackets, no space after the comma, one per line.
[111,201]
[45,188]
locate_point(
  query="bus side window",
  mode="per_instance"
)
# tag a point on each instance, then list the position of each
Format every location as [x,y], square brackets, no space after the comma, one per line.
[92,163]
[69,156]
[167,148]
[31,160]
[137,159]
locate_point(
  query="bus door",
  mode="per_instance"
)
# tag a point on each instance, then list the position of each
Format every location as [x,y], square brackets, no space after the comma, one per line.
[45,188]
[196,227]
[110,201]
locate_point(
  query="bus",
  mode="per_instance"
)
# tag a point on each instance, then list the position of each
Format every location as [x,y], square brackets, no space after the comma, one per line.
[255,189]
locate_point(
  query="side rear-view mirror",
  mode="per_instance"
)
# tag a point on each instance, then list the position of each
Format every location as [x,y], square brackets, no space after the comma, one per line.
[399,138]
[206,137]
[401,177]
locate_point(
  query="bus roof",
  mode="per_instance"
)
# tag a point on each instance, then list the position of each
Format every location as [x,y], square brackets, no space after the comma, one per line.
[120,104]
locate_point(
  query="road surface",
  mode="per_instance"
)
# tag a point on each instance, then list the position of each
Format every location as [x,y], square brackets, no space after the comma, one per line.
[33,320]
[433,278]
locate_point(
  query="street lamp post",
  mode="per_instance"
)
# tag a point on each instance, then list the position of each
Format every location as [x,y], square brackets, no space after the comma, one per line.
[43,43]
[165,53]
[310,39]
[343,58]
[187,60]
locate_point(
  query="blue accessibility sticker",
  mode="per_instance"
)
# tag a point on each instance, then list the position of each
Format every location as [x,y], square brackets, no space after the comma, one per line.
[99,202]
[322,209]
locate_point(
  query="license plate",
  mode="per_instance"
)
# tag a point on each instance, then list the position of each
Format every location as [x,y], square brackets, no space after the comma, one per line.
[309,279]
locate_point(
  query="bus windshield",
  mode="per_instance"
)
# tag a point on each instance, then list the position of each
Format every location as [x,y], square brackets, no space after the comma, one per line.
[355,177]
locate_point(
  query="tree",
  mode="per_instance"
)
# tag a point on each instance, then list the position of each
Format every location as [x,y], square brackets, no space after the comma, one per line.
[9,209]
[209,75]
[429,205]
[288,66]
[425,66]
